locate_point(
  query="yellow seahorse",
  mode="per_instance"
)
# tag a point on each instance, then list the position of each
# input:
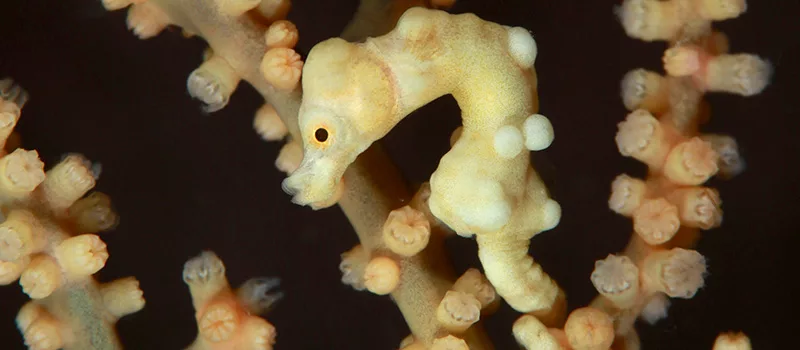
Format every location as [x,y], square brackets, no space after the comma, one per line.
[354,94]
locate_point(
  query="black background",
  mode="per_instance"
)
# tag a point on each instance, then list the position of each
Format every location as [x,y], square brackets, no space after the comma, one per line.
[183,181]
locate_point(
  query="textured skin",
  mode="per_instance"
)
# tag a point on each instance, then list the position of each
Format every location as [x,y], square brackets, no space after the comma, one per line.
[354,94]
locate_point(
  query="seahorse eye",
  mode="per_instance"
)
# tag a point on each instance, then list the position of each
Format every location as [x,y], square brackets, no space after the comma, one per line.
[321,135]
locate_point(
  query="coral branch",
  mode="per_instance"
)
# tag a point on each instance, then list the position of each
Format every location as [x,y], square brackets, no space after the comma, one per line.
[670,206]
[43,242]
[224,318]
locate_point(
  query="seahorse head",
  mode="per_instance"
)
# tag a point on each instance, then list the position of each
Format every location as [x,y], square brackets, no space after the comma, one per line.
[348,103]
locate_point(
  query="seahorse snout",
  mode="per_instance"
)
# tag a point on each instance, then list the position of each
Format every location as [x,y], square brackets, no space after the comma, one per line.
[314,184]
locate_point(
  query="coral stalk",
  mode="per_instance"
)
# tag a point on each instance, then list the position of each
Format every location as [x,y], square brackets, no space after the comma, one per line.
[671,206]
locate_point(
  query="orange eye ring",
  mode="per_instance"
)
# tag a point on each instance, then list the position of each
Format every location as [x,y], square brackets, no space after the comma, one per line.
[321,135]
